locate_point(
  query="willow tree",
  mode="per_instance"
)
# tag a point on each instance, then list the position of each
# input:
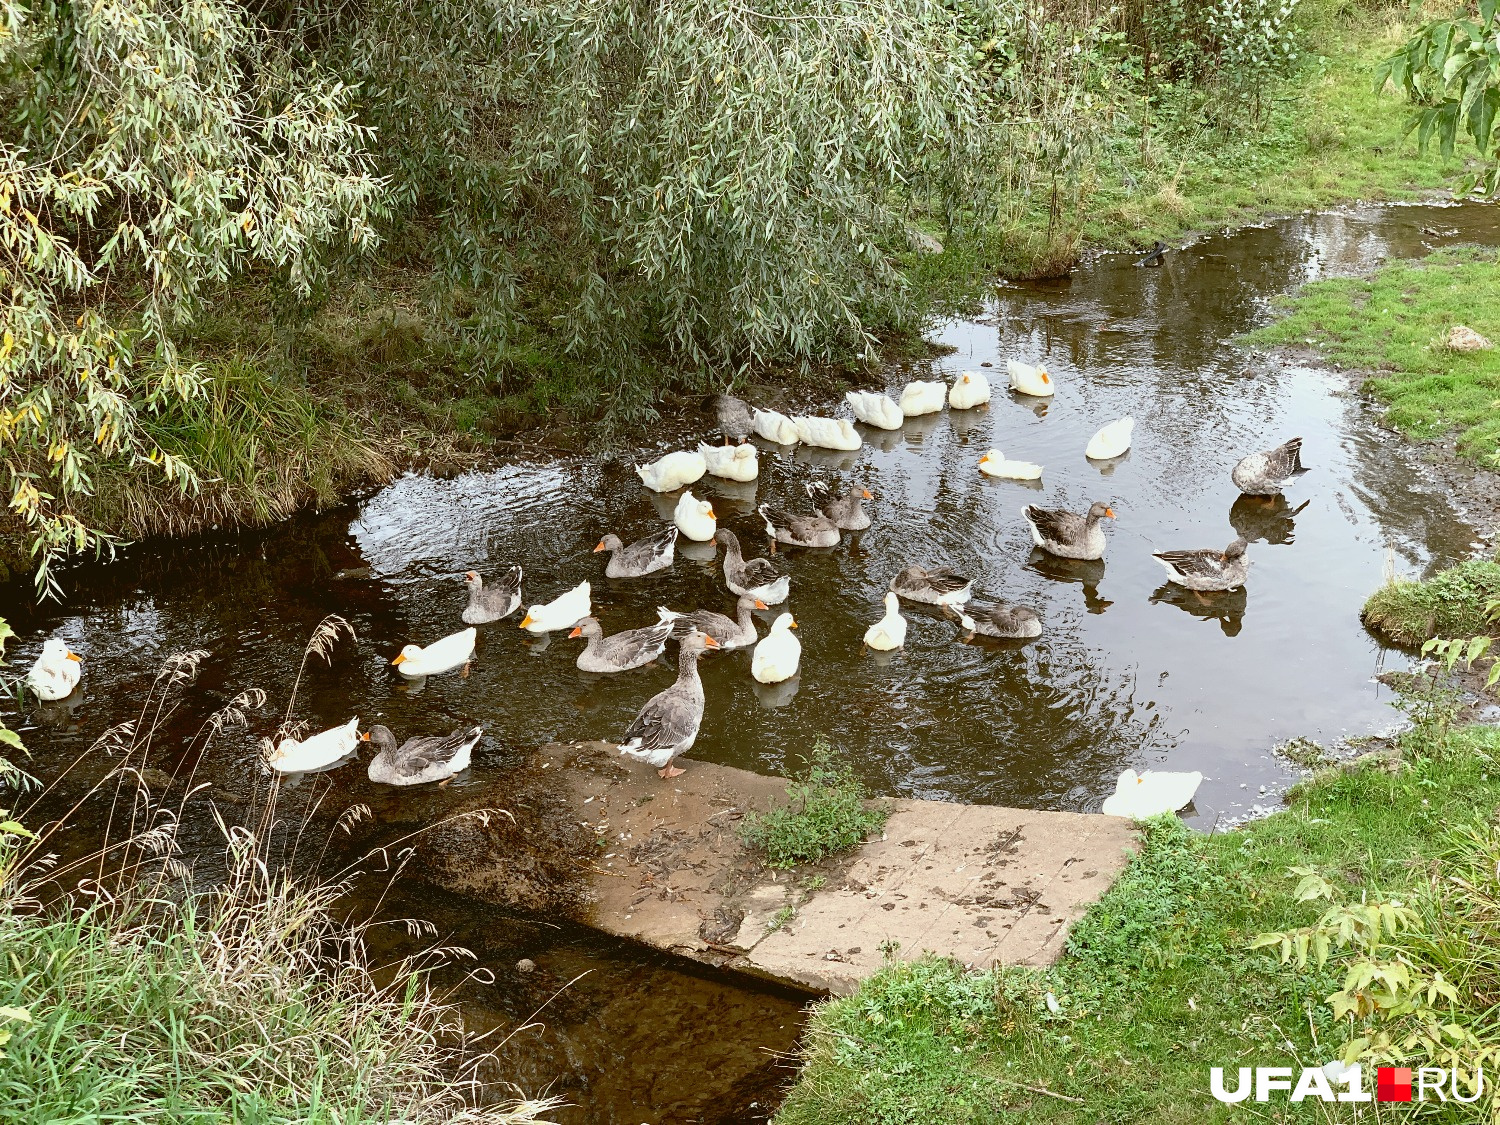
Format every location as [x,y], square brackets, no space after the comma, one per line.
[149,151]
[709,184]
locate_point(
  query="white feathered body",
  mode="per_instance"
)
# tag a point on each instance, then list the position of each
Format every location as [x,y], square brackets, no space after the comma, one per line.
[674,471]
[827,433]
[323,749]
[874,409]
[56,671]
[775,427]
[970,389]
[778,655]
[695,518]
[731,462]
[1029,380]
[451,652]
[1151,793]
[995,464]
[923,397]
[562,612]
[890,631]
[1111,441]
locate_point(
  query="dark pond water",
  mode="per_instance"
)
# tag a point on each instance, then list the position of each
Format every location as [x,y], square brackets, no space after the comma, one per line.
[1129,672]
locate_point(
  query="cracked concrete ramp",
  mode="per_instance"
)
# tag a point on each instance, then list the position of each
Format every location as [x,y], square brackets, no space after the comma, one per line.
[978,883]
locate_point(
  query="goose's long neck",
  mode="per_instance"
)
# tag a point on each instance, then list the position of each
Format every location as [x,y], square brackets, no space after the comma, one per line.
[743,620]
[687,665]
[732,555]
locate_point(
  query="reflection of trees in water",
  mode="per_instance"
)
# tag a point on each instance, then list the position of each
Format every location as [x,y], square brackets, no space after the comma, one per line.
[1227,607]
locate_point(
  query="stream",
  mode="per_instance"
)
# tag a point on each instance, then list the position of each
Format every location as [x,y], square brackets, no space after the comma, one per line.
[1130,672]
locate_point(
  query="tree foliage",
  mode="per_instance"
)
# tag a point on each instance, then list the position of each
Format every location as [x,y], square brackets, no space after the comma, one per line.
[1450,70]
[705,184]
[149,152]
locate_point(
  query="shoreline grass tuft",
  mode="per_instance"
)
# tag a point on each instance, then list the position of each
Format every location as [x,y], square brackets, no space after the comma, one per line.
[1452,603]
[825,814]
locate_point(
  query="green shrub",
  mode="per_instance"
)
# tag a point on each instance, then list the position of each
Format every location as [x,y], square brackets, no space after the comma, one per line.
[1449,604]
[826,814]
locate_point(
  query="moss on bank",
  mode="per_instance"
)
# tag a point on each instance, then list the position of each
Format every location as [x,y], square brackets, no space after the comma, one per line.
[1157,983]
[1452,603]
[1394,325]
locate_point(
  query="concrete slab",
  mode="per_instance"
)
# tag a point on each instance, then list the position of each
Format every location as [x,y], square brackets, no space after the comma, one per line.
[981,884]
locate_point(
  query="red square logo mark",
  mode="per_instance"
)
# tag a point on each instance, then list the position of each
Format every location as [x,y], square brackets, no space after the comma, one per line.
[1393,1084]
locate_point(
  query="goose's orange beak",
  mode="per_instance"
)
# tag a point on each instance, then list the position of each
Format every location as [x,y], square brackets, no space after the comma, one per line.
[74,656]
[1110,512]
[968,378]
[711,513]
[709,642]
[1045,377]
[525,621]
[365,737]
[400,656]
[470,574]
[577,631]
[985,460]
[600,547]
[793,625]
[759,604]
[865,492]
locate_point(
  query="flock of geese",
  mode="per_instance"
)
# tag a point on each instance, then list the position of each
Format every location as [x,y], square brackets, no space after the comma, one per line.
[667,726]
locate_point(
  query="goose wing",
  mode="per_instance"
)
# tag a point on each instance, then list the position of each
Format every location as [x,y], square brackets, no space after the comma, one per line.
[760,572]
[1056,524]
[820,494]
[1285,460]
[664,722]
[946,580]
[634,644]
[652,547]
[427,750]
[1197,564]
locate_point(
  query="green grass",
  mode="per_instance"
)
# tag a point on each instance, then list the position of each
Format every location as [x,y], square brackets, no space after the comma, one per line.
[1157,983]
[1393,324]
[825,815]
[1451,603]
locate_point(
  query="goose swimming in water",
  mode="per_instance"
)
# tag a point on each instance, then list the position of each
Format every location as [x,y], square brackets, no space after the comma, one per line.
[753,578]
[1207,571]
[56,671]
[1067,534]
[422,758]
[1264,474]
[491,603]
[643,557]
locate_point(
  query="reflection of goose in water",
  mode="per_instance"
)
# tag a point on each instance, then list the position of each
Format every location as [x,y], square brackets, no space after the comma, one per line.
[835,460]
[731,495]
[1087,574]
[883,440]
[775,696]
[965,422]
[1265,519]
[1227,608]
[919,429]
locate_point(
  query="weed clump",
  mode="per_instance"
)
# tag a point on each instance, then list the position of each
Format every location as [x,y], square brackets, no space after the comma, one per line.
[1449,604]
[826,814]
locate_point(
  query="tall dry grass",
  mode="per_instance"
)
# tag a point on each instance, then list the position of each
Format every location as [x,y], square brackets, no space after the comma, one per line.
[253,999]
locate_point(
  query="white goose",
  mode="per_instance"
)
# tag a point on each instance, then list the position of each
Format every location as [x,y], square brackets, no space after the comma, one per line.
[1140,795]
[674,471]
[890,631]
[874,409]
[1111,441]
[779,654]
[56,671]
[445,655]
[828,433]
[731,462]
[323,749]
[994,464]
[562,612]
[969,390]
[1029,380]
[775,427]
[919,397]
[695,518]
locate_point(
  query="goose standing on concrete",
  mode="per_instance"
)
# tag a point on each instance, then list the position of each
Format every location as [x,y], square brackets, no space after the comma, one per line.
[643,557]
[1207,571]
[56,671]
[847,512]
[1067,534]
[491,603]
[1264,474]
[751,578]
[668,725]
[422,758]
[622,651]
